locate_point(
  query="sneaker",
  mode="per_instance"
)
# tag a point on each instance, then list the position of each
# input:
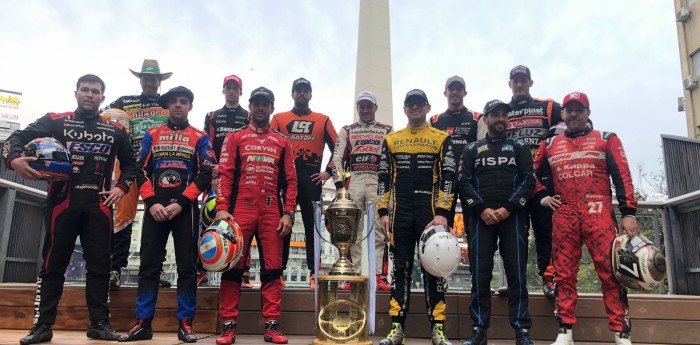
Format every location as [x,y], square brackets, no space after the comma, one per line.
[163,282]
[141,331]
[115,280]
[522,337]
[40,333]
[185,332]
[246,281]
[478,337]
[565,336]
[228,336]
[395,336]
[622,338]
[345,286]
[273,334]
[102,330]
[438,336]
[549,288]
[202,278]
[382,284]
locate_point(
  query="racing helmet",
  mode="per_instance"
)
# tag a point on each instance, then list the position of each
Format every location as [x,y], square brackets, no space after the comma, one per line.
[208,215]
[638,264]
[439,251]
[221,246]
[53,160]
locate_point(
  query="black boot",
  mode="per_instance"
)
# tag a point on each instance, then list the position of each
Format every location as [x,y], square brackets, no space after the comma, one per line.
[185,333]
[522,337]
[102,330]
[40,333]
[478,337]
[141,331]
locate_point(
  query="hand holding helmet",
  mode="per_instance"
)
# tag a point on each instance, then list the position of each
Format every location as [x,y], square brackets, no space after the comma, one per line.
[44,159]
[439,251]
[638,264]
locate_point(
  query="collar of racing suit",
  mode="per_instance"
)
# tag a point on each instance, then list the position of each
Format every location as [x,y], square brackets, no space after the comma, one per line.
[578,134]
[415,130]
[81,115]
[259,130]
[178,127]
[492,140]
[366,124]
[525,100]
[300,112]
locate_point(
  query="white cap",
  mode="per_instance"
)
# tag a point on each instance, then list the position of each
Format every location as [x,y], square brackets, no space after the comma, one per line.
[366,95]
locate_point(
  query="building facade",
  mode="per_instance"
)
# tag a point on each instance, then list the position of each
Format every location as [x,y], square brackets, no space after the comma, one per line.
[688,26]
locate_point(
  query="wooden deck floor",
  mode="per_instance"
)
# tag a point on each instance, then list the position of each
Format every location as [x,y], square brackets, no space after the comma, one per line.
[77,338]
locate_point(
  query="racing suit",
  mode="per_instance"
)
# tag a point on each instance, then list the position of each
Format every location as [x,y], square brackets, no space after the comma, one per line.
[462,126]
[358,148]
[416,174]
[582,165]
[74,207]
[176,162]
[497,173]
[257,165]
[308,132]
[530,120]
[144,113]
[220,122]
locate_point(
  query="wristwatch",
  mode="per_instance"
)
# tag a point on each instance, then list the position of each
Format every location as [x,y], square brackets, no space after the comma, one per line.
[290,214]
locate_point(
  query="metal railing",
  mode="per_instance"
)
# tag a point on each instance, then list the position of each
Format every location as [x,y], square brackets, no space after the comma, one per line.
[21,239]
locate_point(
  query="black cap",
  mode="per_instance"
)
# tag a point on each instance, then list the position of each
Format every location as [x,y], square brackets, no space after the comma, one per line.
[301,82]
[493,105]
[415,94]
[262,92]
[178,90]
[520,70]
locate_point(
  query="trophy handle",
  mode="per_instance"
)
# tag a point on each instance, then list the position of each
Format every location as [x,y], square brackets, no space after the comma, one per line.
[318,209]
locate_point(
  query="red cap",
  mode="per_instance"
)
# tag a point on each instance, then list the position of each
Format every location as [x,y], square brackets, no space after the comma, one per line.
[234,78]
[576,97]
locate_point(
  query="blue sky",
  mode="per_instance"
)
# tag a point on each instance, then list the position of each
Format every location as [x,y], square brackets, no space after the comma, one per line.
[624,54]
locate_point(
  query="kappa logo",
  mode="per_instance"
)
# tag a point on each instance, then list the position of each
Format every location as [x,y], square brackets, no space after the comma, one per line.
[301,127]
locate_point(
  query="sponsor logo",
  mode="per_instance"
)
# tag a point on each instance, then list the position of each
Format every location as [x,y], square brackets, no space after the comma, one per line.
[481,149]
[261,159]
[491,161]
[169,179]
[301,127]
[174,137]
[80,135]
[507,147]
[269,149]
[75,146]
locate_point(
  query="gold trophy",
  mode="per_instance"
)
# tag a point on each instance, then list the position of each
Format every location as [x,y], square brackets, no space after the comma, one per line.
[343,319]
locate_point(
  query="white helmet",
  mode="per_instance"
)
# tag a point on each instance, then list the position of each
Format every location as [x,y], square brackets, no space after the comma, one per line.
[439,251]
[637,263]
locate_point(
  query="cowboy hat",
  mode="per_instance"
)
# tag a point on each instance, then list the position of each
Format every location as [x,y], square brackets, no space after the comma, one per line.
[151,67]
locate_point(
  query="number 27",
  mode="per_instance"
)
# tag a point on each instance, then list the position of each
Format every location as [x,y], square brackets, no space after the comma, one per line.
[596,206]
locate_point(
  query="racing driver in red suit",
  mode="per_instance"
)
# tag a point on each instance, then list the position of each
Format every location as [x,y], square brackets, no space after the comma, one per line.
[256,167]
[582,162]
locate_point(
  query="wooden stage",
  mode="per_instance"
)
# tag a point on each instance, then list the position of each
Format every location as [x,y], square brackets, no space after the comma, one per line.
[656,319]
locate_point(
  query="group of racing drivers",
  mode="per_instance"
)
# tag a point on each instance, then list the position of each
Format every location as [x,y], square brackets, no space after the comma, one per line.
[501,164]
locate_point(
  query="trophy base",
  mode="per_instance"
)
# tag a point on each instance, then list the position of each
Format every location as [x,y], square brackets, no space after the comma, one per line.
[351,342]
